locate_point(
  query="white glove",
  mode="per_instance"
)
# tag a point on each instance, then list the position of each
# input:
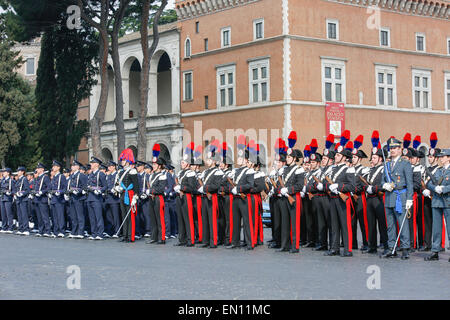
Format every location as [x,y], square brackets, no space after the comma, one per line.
[388,187]
[284,191]
[8,193]
[320,187]
[66,197]
[200,190]
[304,189]
[234,191]
[39,194]
[334,186]
[302,194]
[177,188]
[335,191]
[438,189]
[369,190]
[57,194]
[118,189]
[270,193]
[75,192]
[20,194]
[112,190]
[426,193]
[147,192]
[97,192]
[409,204]
[134,200]
[49,195]
[143,196]
[83,192]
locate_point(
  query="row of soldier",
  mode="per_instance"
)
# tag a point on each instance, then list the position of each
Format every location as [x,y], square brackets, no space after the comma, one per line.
[316,200]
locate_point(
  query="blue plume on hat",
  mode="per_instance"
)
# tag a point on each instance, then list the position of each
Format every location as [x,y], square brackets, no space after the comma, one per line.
[375,138]
[329,142]
[416,142]
[292,139]
[433,140]
[345,137]
[407,140]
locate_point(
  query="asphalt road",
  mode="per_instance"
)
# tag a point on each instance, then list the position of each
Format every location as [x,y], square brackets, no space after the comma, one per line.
[35,268]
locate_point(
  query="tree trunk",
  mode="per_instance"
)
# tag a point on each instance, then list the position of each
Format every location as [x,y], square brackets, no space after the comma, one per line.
[147,54]
[99,116]
[120,127]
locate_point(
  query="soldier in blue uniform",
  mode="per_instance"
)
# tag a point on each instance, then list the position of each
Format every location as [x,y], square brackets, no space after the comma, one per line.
[398,183]
[21,199]
[58,186]
[7,189]
[439,184]
[169,199]
[96,186]
[41,188]
[75,186]
[112,202]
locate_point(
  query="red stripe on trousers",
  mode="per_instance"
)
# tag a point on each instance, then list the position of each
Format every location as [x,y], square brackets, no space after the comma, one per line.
[191,216]
[366,225]
[423,220]
[132,216]
[443,232]
[349,206]
[256,225]
[260,225]
[415,207]
[231,218]
[214,217]
[298,208]
[161,216]
[199,217]
[250,220]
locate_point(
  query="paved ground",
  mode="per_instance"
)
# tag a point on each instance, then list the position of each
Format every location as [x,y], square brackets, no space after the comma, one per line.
[35,268]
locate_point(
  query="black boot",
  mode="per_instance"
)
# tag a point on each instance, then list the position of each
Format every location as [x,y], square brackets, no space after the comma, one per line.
[432,257]
[405,254]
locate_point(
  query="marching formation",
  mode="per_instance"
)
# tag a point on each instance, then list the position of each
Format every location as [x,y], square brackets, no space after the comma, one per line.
[317,200]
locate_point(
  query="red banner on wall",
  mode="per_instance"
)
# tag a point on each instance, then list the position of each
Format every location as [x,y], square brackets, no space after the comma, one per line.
[335,118]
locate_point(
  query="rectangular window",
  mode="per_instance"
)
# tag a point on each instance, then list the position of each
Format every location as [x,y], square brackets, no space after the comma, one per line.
[30,66]
[332,29]
[206,44]
[448,45]
[197,27]
[420,42]
[226,37]
[188,86]
[385,36]
[206,102]
[447,91]
[333,80]
[226,86]
[421,88]
[259,75]
[258,29]
[386,86]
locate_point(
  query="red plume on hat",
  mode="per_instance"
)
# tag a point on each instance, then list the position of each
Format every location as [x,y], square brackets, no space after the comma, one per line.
[417,141]
[241,142]
[358,141]
[127,155]
[329,142]
[314,146]
[433,140]
[156,150]
[345,137]
[375,138]
[292,139]
[349,146]
[407,140]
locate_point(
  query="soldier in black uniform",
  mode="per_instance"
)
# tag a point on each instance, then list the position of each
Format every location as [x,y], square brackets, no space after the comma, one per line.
[127,187]
[186,185]
[343,182]
[158,183]
[243,181]
[227,196]
[359,197]
[375,194]
[293,182]
[427,210]
[260,187]
[212,179]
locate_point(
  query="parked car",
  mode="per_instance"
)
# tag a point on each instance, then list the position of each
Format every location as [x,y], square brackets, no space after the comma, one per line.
[266,216]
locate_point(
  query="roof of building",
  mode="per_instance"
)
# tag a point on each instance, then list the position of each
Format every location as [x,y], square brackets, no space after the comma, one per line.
[137,35]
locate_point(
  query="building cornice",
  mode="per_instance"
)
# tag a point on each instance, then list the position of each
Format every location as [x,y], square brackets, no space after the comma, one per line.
[294,103]
[430,9]
[188,10]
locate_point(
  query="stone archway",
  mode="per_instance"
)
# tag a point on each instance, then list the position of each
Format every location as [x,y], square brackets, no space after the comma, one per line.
[106,155]
[161,81]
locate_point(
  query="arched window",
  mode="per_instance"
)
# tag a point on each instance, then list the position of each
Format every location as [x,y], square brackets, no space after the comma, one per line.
[187,48]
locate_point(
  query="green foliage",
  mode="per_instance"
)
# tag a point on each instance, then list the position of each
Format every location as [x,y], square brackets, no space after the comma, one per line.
[16,106]
[132,18]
